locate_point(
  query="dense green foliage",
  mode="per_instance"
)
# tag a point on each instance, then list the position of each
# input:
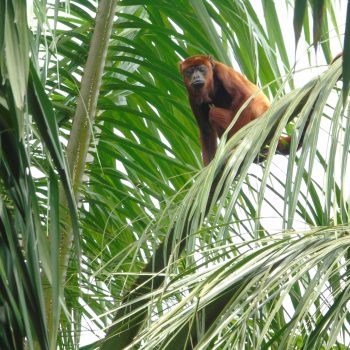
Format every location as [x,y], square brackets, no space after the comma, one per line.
[164,254]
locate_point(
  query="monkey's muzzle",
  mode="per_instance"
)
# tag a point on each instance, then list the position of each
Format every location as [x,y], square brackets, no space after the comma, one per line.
[198,84]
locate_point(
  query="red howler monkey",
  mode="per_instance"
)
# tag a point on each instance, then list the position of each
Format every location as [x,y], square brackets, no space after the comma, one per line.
[213,83]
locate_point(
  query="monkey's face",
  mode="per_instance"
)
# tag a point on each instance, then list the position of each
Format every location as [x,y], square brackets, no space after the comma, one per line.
[196,76]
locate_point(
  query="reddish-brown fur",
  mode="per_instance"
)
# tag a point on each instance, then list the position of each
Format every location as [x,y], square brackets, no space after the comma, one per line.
[216,103]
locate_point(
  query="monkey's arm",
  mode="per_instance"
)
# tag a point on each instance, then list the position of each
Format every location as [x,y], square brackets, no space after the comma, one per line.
[221,119]
[208,136]
[209,144]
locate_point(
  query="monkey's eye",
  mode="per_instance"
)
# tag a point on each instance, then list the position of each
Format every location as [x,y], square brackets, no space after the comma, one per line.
[189,71]
[203,69]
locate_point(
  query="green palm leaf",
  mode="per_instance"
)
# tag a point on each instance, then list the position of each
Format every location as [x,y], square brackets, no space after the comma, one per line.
[170,255]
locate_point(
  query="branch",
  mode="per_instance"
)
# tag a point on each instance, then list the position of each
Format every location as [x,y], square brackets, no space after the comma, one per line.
[80,136]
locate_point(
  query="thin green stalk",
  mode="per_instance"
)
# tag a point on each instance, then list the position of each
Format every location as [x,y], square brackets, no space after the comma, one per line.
[79,140]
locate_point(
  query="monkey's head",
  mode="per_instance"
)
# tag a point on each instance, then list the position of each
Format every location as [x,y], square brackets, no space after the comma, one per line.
[197,72]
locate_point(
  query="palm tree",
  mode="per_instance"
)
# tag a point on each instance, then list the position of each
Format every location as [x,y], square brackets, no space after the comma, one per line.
[164,254]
